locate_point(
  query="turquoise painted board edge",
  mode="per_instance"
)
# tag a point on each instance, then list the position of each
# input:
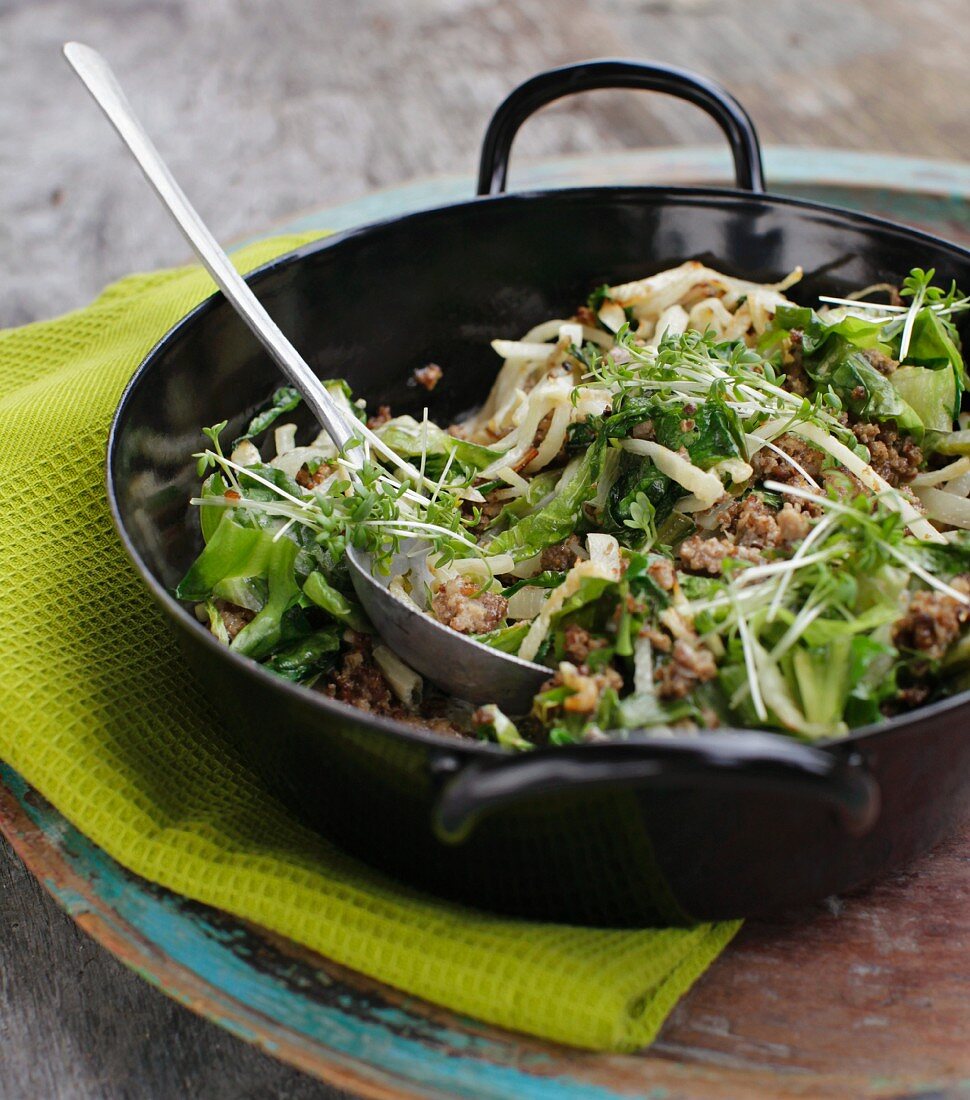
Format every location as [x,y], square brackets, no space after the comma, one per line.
[832,175]
[371,1039]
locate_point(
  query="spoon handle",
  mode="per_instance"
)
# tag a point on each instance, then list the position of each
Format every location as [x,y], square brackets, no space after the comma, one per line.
[100,81]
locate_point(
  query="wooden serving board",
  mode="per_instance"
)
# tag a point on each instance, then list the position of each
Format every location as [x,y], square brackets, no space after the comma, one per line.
[866,995]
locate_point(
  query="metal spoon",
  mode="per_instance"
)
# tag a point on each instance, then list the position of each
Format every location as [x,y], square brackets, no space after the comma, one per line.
[457,664]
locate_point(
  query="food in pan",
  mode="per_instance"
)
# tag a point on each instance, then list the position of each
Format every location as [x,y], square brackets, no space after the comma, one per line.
[698,503]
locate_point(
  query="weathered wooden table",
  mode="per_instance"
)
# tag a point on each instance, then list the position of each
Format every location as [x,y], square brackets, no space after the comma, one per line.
[320,103]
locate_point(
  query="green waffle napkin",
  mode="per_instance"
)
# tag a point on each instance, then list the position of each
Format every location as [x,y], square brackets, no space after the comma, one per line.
[102,716]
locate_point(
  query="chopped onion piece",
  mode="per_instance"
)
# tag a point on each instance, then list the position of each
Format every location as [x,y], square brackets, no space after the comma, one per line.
[295,459]
[527,602]
[592,402]
[478,567]
[246,454]
[527,568]
[736,468]
[612,315]
[604,553]
[285,439]
[672,322]
[405,682]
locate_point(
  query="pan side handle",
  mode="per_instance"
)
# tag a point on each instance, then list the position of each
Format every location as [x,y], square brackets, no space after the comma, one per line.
[727,760]
[586,76]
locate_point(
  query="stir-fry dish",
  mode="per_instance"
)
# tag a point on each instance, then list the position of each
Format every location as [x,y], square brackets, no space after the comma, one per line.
[698,503]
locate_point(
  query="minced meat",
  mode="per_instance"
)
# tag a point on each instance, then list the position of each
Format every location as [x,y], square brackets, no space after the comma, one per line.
[234,617]
[768,465]
[560,557]
[428,376]
[310,481]
[578,643]
[460,605]
[360,682]
[796,380]
[706,555]
[751,522]
[792,523]
[896,458]
[933,620]
[380,418]
[690,664]
[881,362]
[663,573]
[587,687]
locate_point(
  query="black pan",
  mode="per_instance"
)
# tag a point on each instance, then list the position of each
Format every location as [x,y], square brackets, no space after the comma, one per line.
[626,833]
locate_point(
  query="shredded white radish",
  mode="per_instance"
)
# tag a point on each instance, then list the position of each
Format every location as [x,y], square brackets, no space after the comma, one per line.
[651,296]
[517,482]
[710,313]
[946,507]
[518,349]
[959,486]
[943,475]
[557,597]
[554,439]
[705,486]
[548,395]
[672,322]
[643,667]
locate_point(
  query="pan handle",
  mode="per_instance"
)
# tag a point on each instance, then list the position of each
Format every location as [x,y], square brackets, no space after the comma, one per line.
[727,760]
[587,76]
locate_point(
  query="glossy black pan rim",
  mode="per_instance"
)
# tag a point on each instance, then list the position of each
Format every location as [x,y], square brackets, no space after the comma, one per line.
[702,196]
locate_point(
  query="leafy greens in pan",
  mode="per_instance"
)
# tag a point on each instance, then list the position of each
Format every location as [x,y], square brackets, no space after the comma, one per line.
[698,503]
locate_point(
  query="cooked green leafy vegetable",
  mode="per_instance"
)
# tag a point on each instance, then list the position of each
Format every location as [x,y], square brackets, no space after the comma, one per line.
[698,503]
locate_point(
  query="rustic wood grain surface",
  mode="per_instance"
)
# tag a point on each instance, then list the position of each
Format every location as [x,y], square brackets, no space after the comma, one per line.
[264,109]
